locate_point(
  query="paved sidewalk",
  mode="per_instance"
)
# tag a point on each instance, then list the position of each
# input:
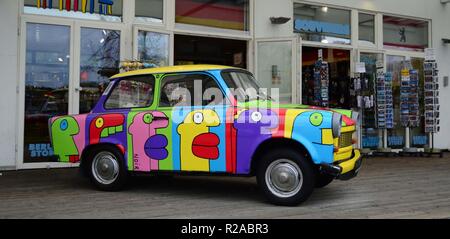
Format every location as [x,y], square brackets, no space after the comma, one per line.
[385,188]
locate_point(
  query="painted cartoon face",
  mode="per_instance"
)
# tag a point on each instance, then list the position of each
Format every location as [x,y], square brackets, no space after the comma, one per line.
[148,146]
[106,125]
[253,126]
[198,144]
[318,130]
[63,129]
[259,121]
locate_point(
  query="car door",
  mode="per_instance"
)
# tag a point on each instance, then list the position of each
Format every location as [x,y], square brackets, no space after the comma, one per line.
[197,109]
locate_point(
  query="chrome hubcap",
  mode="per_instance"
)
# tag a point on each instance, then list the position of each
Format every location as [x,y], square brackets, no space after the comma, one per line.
[105,168]
[284,178]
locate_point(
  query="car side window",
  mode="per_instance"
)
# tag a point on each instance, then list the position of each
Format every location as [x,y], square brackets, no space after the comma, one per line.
[183,90]
[132,92]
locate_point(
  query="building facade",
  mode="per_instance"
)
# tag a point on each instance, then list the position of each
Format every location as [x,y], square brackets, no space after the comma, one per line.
[56,57]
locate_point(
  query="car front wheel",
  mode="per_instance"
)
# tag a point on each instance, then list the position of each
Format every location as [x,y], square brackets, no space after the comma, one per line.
[107,171]
[286,177]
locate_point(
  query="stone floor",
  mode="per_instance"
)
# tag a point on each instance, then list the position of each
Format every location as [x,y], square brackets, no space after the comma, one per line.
[401,187]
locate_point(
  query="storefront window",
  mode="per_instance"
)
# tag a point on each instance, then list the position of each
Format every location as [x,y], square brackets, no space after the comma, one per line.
[99,60]
[322,24]
[149,10]
[153,48]
[366,28]
[405,34]
[338,62]
[190,50]
[105,10]
[46,86]
[275,68]
[228,14]
[396,136]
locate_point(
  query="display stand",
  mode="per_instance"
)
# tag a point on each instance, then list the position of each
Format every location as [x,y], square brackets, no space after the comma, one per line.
[321,82]
[409,105]
[431,93]
[385,108]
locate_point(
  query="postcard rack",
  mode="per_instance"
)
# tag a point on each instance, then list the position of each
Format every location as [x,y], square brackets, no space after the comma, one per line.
[431,104]
[321,83]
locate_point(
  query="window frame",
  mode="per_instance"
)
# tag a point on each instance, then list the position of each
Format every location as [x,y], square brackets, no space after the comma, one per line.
[161,85]
[360,43]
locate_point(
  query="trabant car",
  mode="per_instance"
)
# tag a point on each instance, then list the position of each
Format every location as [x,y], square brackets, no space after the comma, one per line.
[207,119]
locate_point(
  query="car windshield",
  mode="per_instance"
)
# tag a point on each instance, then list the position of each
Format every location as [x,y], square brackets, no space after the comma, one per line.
[244,86]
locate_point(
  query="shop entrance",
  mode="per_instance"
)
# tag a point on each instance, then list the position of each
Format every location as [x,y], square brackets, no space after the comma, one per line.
[338,63]
[207,50]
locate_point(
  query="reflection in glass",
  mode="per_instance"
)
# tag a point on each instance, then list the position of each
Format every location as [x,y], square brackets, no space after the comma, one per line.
[153,48]
[133,92]
[103,10]
[46,86]
[228,14]
[366,28]
[275,68]
[396,136]
[99,60]
[322,24]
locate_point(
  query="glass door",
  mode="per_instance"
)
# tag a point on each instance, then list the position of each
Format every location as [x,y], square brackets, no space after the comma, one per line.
[99,60]
[66,68]
[47,85]
[275,62]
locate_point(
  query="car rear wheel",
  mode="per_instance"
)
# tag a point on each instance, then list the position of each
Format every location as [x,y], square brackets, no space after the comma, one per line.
[107,170]
[286,177]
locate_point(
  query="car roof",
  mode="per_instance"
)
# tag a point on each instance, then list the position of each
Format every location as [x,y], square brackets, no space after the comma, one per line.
[172,69]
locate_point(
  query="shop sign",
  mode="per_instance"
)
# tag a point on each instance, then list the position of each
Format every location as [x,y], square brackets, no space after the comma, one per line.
[321,27]
[38,150]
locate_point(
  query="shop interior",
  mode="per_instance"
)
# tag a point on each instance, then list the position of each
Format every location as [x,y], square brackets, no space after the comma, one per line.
[207,50]
[339,76]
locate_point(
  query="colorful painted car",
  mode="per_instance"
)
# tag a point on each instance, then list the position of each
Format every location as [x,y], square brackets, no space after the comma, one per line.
[147,121]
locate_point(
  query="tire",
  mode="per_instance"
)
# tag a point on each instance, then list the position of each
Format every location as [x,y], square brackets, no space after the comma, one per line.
[291,167]
[106,168]
[322,180]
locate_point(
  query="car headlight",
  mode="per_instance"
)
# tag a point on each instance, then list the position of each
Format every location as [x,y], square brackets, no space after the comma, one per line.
[336,125]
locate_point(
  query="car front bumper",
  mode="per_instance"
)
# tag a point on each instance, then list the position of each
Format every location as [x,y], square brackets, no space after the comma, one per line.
[351,167]
[345,169]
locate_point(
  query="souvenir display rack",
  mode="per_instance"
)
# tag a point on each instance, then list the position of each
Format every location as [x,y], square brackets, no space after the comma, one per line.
[385,106]
[431,98]
[409,98]
[321,83]
[409,104]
